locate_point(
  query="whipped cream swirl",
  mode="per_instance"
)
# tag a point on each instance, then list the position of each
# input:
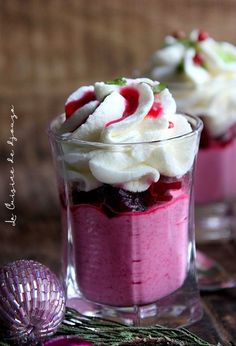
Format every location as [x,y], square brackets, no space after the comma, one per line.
[128,112]
[201,74]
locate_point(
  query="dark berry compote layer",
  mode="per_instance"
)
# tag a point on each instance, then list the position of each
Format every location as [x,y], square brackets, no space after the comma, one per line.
[207,141]
[113,201]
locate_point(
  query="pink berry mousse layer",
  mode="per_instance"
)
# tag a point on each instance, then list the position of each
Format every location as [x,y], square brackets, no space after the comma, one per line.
[124,258]
[215,176]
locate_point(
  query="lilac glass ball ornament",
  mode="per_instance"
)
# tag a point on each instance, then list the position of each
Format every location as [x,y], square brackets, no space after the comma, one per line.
[32,302]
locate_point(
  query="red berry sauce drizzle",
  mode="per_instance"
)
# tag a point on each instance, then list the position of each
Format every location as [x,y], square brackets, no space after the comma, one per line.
[131,96]
[202,36]
[198,59]
[156,110]
[73,106]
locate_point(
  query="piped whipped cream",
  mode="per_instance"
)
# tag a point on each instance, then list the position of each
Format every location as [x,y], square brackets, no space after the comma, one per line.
[128,112]
[201,74]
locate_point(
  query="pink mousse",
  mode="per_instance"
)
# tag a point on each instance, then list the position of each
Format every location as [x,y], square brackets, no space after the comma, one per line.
[215,178]
[133,258]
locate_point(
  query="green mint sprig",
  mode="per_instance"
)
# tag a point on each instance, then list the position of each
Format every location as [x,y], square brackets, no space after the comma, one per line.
[187,42]
[158,88]
[117,81]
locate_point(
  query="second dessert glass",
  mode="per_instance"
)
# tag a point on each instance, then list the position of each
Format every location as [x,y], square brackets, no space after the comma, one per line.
[129,256]
[201,74]
[215,187]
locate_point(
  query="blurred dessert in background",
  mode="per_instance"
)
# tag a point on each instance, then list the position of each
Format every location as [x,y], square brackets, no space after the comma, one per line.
[201,74]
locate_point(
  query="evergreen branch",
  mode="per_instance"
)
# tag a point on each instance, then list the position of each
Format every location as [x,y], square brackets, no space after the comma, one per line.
[102,332]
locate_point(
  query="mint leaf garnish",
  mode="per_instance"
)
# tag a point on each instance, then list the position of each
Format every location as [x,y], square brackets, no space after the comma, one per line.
[226,56]
[180,67]
[188,42]
[158,88]
[117,81]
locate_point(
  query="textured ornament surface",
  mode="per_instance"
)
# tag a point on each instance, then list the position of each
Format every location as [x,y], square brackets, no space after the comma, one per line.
[32,302]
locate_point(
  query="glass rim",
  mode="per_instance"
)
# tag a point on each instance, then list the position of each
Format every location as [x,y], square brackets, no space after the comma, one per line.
[197,128]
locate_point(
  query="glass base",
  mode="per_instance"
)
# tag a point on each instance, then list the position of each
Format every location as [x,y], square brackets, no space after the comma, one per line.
[179,309]
[213,222]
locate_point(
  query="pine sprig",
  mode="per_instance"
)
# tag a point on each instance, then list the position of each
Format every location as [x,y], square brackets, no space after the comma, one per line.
[103,333]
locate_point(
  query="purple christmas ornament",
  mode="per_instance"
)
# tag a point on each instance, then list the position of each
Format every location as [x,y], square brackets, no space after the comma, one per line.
[32,302]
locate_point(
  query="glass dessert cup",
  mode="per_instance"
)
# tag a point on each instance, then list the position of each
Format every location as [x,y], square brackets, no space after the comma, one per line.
[215,186]
[129,256]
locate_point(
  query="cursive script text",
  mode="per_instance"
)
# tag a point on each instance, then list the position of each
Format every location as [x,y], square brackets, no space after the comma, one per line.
[10,205]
